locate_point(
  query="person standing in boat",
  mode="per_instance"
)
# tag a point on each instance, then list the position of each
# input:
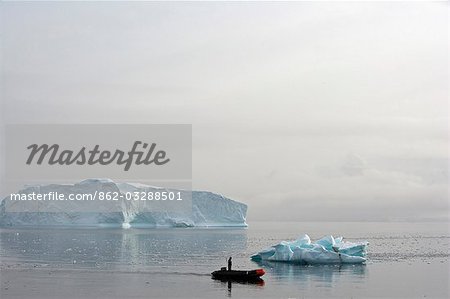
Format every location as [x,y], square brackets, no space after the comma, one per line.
[229,263]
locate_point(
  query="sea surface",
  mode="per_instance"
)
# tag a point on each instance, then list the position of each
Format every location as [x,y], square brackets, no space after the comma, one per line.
[405,260]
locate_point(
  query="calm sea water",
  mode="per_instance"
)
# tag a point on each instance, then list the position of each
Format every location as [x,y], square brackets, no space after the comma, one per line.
[405,260]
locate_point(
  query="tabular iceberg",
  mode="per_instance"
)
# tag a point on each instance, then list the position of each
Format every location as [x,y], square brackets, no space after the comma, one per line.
[205,209]
[328,250]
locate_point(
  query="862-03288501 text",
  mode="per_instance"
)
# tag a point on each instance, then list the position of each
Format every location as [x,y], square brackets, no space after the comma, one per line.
[99,195]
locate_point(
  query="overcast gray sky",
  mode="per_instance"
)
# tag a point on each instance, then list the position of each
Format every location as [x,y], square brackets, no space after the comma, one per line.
[304,111]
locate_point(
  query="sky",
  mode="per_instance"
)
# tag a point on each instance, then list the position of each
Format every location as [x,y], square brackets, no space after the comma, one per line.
[304,111]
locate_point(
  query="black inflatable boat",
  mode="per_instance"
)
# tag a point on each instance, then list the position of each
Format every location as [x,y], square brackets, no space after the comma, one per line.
[238,275]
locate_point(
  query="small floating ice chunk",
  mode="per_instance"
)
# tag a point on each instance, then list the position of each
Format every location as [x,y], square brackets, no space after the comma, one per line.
[328,250]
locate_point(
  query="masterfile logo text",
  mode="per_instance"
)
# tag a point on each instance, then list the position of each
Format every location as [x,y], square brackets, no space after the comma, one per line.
[148,155]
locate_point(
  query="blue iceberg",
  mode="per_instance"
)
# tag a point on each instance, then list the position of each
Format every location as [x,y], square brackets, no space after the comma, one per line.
[328,250]
[204,209]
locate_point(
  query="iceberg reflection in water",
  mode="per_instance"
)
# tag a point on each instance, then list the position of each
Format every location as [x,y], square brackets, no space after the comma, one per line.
[147,250]
[306,275]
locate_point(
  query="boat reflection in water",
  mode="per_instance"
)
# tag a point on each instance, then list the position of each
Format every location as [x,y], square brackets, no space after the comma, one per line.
[258,282]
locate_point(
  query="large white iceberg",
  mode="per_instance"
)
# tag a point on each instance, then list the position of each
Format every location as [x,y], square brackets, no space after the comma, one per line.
[206,209]
[328,250]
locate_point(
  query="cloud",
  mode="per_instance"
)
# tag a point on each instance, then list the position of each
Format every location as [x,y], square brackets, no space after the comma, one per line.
[302,110]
